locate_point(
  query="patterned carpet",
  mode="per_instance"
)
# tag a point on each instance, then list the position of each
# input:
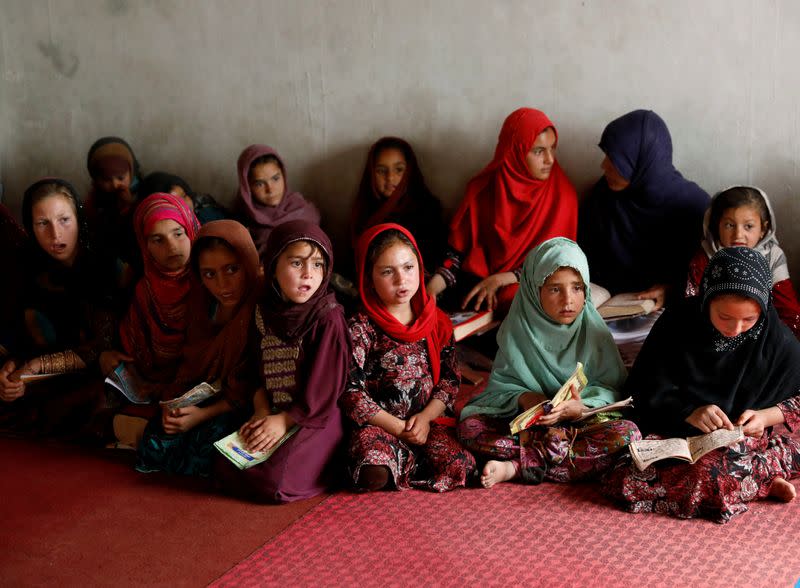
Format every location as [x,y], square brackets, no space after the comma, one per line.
[513,535]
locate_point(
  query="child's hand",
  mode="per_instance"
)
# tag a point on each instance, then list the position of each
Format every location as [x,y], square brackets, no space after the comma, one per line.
[709,418]
[416,430]
[180,420]
[10,386]
[261,433]
[566,411]
[753,422]
[109,360]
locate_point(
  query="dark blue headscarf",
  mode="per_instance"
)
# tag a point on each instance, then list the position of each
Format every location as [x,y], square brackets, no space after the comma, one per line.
[646,233]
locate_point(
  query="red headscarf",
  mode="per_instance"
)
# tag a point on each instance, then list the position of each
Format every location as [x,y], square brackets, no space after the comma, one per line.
[430,322]
[506,212]
[153,330]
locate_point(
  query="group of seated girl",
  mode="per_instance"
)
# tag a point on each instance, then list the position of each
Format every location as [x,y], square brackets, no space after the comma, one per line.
[249,303]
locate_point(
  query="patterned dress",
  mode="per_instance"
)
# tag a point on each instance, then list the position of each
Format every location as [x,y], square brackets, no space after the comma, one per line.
[563,453]
[720,484]
[396,377]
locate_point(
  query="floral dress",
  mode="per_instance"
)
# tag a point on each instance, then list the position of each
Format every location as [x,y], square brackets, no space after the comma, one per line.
[394,376]
[720,484]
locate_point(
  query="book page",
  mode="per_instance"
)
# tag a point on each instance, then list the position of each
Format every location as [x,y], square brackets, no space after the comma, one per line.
[233,447]
[625,305]
[618,405]
[193,397]
[649,451]
[599,294]
[702,444]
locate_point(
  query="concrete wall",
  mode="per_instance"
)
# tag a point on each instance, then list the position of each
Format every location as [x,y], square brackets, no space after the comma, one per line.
[190,82]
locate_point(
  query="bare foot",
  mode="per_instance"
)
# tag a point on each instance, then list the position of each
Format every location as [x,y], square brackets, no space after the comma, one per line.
[782,490]
[497,471]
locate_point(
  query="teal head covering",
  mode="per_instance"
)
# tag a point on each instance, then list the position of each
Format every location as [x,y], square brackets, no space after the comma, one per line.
[537,354]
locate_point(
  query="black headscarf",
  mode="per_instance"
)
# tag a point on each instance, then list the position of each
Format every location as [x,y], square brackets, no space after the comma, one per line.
[686,363]
[646,233]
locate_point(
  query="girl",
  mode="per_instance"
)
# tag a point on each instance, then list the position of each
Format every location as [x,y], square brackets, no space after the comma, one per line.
[552,325]
[154,329]
[302,354]
[641,221]
[742,216]
[717,360]
[264,200]
[404,374]
[65,291]
[393,189]
[228,281]
[526,198]
[204,206]
[115,174]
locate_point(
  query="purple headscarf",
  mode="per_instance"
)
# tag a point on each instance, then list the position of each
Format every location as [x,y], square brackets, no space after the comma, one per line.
[262,219]
[646,233]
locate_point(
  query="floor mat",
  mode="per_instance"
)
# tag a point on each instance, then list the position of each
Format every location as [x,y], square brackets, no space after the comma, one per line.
[515,535]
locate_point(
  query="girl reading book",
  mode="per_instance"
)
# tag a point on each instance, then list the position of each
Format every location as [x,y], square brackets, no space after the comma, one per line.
[520,199]
[393,189]
[717,360]
[66,317]
[743,216]
[302,351]
[263,200]
[404,374]
[551,327]
[227,281]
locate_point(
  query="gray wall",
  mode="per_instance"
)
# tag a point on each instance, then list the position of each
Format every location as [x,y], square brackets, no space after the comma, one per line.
[189,83]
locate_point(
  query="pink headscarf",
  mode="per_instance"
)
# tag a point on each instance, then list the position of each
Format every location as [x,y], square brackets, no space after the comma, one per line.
[262,219]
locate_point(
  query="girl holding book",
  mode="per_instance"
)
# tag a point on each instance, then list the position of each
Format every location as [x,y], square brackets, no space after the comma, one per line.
[718,360]
[393,189]
[742,216]
[552,325]
[403,375]
[520,199]
[263,200]
[66,318]
[227,282]
[302,352]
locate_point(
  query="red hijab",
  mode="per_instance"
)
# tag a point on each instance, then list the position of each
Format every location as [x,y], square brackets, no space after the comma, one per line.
[506,212]
[153,330]
[430,323]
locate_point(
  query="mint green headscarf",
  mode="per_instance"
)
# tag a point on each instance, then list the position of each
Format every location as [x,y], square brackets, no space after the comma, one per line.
[537,354]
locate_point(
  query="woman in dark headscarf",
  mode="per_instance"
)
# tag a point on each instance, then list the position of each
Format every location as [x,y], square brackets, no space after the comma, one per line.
[205,208]
[263,199]
[393,190]
[302,353]
[641,222]
[719,360]
[112,201]
[227,283]
[67,319]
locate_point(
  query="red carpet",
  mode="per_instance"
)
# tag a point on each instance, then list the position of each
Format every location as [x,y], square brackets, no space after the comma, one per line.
[71,516]
[515,535]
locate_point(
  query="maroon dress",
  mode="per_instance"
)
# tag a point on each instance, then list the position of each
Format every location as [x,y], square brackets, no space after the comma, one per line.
[396,377]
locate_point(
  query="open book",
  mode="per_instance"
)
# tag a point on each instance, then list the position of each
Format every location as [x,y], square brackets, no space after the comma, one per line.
[648,451]
[620,306]
[233,448]
[470,322]
[203,391]
[128,381]
[528,418]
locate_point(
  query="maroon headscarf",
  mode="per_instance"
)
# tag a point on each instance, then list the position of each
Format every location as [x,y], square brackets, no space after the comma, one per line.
[289,320]
[211,351]
[261,220]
